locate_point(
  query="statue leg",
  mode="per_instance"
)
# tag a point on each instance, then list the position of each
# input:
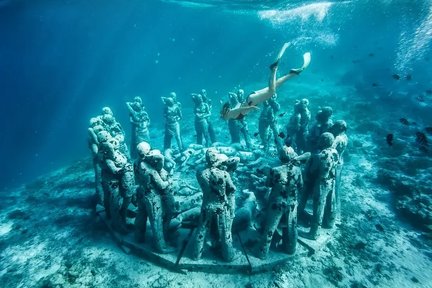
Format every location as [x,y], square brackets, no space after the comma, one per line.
[154,211]
[201,232]
[167,138]
[225,227]
[199,132]
[98,185]
[319,202]
[329,217]
[273,217]
[141,218]
[290,234]
[115,208]
[178,137]
[263,132]
[211,132]
[127,188]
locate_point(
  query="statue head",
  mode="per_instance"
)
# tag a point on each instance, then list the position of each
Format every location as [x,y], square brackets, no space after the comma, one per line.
[155,159]
[339,127]
[143,148]
[325,140]
[138,100]
[107,110]
[287,154]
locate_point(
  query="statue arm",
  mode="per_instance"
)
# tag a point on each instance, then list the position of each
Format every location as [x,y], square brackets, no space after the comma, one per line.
[158,181]
[111,165]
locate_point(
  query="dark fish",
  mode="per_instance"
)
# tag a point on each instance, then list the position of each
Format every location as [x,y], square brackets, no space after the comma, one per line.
[429,91]
[420,98]
[379,227]
[404,121]
[371,55]
[408,77]
[428,130]
[256,134]
[414,123]
[282,114]
[421,139]
[355,61]
[389,139]
[281,135]
[396,76]
[374,84]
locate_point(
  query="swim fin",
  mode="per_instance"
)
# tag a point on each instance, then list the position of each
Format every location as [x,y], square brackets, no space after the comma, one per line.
[280,54]
[306,62]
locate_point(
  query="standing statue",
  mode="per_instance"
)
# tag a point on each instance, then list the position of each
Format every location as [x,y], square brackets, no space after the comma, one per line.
[286,182]
[217,206]
[340,143]
[140,121]
[93,143]
[208,101]
[298,126]
[173,115]
[111,125]
[323,124]
[118,181]
[153,197]
[324,185]
[238,125]
[202,114]
[267,121]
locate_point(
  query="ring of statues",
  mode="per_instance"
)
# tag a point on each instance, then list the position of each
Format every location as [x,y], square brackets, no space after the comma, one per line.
[217,207]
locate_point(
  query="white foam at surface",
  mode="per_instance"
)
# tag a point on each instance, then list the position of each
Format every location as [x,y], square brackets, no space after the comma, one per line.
[317,11]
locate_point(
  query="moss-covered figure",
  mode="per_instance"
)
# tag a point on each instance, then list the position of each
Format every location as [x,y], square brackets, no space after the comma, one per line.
[267,124]
[285,181]
[340,143]
[118,181]
[173,115]
[140,122]
[217,206]
[298,126]
[154,197]
[323,124]
[323,185]
[202,115]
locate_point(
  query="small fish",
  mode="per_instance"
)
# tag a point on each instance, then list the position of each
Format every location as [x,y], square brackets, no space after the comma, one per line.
[379,227]
[282,114]
[355,61]
[396,76]
[429,91]
[374,84]
[428,130]
[408,77]
[421,139]
[420,98]
[389,139]
[255,134]
[404,121]
[281,135]
[371,54]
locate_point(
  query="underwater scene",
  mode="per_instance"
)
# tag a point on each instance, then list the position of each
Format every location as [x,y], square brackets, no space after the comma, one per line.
[214,143]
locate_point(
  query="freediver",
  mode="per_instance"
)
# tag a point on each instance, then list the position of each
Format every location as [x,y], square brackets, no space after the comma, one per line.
[266,93]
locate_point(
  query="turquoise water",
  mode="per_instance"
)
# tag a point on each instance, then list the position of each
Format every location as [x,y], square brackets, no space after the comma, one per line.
[61,61]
